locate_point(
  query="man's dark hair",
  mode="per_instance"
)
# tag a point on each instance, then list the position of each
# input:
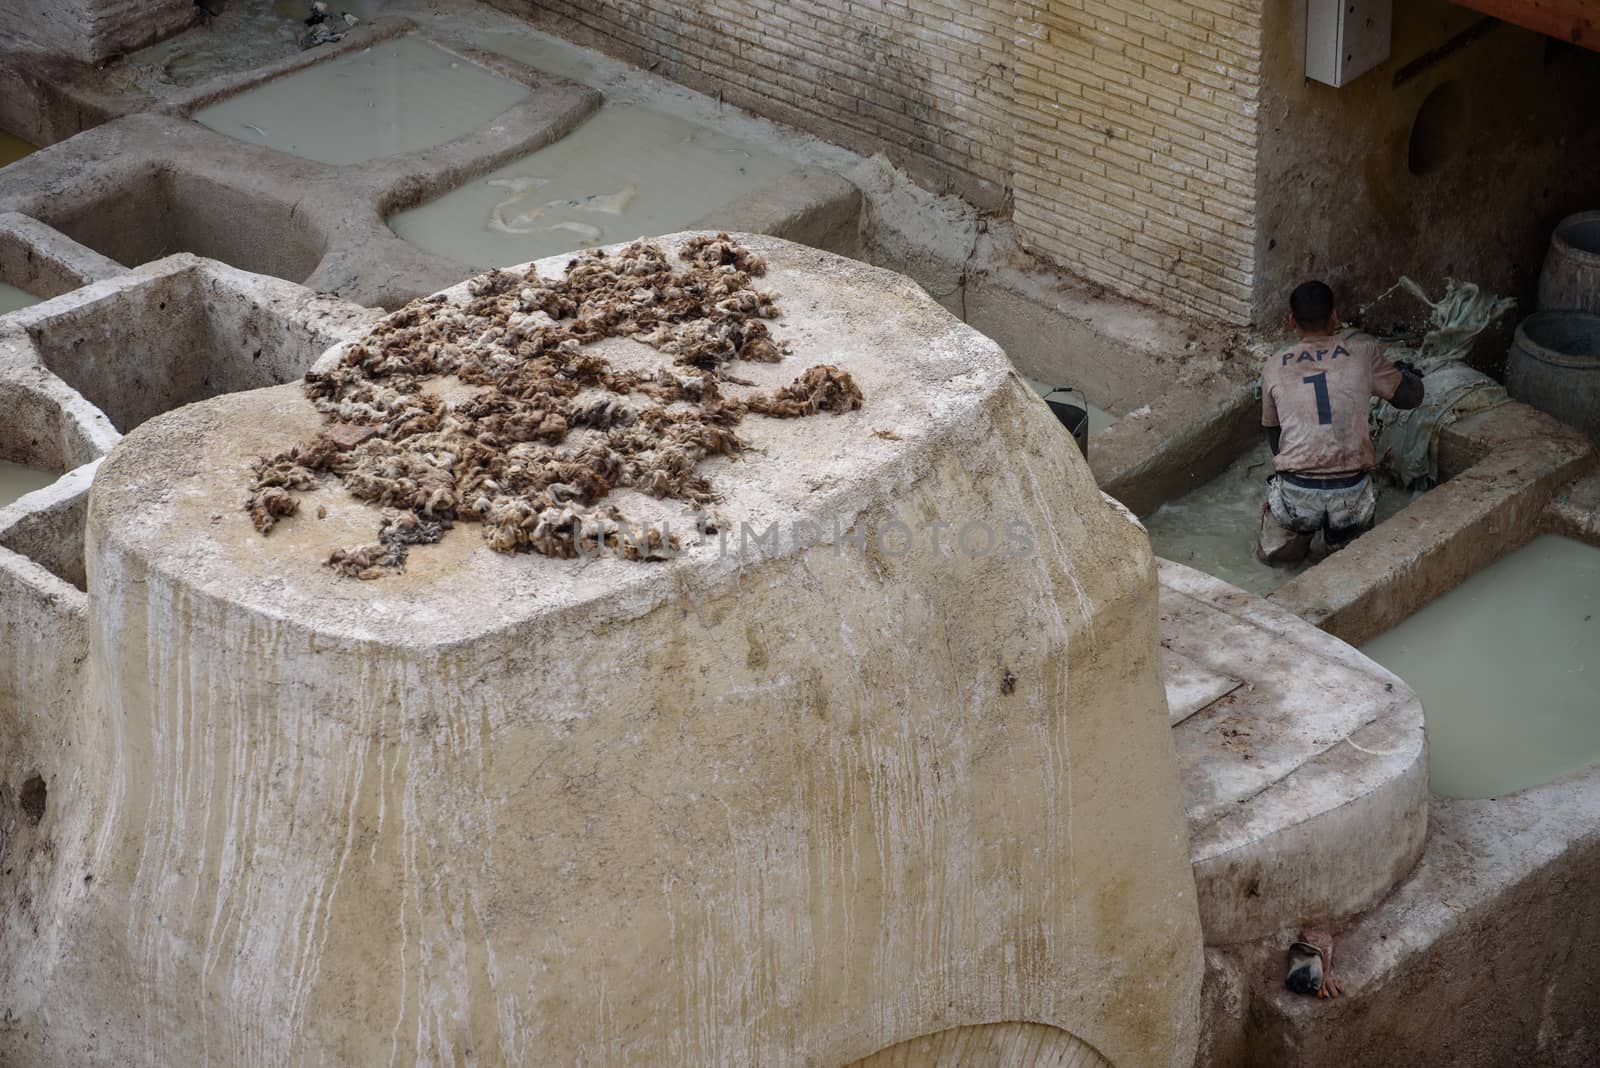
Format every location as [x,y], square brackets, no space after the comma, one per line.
[1312,305]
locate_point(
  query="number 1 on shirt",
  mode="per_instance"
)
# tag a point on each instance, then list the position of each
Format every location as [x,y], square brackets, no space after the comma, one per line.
[1319,382]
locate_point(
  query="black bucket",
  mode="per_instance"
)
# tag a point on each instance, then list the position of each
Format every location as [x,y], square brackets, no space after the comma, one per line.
[1072,415]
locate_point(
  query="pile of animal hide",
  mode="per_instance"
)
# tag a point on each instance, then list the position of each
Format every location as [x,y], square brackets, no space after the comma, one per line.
[325,26]
[1407,441]
[553,426]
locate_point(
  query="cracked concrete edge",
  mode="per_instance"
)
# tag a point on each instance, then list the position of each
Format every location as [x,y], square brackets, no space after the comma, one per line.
[1299,849]
[1490,895]
[49,424]
[1326,867]
[45,262]
[1184,438]
[53,426]
[1575,513]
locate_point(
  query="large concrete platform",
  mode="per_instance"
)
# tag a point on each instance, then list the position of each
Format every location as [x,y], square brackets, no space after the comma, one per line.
[779,805]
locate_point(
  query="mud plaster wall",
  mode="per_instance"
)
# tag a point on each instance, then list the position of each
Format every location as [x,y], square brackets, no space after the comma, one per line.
[1509,148]
[1123,132]
[93,30]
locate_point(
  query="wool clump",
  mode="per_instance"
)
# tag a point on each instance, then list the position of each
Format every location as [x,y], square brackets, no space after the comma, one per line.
[552,427]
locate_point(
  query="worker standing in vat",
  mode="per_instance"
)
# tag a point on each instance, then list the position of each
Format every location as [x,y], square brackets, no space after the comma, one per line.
[1315,397]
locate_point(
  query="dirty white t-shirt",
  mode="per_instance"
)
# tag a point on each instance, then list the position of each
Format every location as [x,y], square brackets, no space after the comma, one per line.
[1319,390]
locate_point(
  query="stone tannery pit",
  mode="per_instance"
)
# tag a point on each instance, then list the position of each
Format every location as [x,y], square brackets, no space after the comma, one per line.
[625,532]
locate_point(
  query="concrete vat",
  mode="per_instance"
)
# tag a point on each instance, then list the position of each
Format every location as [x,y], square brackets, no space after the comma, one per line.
[1554,365]
[793,802]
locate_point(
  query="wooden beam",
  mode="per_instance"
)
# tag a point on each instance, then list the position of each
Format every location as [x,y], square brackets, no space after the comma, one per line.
[1577,21]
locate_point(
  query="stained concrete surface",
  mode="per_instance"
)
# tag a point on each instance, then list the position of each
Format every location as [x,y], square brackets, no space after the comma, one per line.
[48,426]
[1022,1044]
[1183,392]
[149,315]
[1481,959]
[1575,510]
[93,30]
[1286,773]
[44,627]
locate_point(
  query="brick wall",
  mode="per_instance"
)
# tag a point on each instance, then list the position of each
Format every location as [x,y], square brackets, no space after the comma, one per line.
[1135,145]
[1124,132]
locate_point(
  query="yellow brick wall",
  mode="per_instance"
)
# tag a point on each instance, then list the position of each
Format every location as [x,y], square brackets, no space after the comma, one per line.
[1123,133]
[1135,145]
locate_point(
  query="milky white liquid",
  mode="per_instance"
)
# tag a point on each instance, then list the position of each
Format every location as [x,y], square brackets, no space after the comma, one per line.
[398,96]
[627,172]
[12,298]
[1508,668]
[552,57]
[1214,528]
[1099,418]
[15,480]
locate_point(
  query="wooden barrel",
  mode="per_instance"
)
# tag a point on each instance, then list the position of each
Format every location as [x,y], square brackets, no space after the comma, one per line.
[1570,280]
[1554,365]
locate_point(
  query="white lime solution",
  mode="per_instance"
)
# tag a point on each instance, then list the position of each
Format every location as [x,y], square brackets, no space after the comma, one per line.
[627,172]
[1213,528]
[542,53]
[1508,668]
[399,96]
[1099,418]
[15,480]
[12,298]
